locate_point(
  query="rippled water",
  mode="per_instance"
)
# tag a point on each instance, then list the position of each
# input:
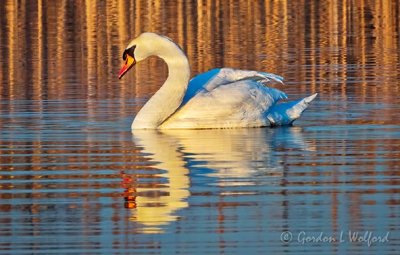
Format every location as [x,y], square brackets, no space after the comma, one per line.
[74,179]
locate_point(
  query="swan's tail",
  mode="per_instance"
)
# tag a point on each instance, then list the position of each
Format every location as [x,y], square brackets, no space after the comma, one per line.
[286,113]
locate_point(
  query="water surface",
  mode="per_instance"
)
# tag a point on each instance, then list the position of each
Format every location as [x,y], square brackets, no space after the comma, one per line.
[75,179]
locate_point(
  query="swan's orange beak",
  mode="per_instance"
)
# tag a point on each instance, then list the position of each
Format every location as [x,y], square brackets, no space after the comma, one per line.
[129,62]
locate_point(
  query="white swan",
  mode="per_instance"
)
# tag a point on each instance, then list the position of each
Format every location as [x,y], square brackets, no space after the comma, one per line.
[219,98]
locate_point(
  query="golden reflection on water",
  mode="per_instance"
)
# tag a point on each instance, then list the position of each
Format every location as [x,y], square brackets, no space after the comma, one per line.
[65,120]
[235,155]
[155,206]
[310,43]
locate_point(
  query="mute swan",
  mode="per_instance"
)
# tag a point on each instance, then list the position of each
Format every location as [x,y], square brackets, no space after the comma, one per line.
[219,98]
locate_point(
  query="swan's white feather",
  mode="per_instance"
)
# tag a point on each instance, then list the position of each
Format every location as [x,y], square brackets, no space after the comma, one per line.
[221,76]
[286,113]
[219,98]
[227,104]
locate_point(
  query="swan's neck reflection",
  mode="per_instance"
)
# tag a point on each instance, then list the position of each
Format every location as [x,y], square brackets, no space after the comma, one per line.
[156,202]
[236,157]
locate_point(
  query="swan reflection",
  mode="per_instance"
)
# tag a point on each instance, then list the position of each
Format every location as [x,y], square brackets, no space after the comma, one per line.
[229,157]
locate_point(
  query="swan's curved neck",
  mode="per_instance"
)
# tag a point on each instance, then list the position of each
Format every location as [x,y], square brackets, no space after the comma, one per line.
[169,97]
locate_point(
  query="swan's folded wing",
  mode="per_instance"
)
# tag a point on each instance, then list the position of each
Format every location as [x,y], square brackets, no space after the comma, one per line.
[229,75]
[242,103]
[214,78]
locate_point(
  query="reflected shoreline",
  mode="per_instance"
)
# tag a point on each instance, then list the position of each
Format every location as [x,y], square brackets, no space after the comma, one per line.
[67,40]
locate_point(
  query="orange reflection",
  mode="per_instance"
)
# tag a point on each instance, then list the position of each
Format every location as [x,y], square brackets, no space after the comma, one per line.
[72,50]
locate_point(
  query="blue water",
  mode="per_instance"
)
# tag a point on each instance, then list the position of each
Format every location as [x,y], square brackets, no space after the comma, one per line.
[75,180]
[72,183]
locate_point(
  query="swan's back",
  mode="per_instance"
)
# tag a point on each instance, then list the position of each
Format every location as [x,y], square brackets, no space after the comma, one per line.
[242,103]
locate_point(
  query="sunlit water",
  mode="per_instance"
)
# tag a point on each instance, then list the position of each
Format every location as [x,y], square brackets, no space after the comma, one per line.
[74,179]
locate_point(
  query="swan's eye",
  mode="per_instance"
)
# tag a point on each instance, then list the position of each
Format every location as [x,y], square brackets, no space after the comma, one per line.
[130,52]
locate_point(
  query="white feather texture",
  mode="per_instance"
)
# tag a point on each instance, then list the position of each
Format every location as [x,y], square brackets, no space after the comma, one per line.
[219,98]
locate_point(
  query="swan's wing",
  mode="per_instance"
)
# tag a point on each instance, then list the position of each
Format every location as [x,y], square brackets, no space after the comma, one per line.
[242,103]
[229,75]
[214,78]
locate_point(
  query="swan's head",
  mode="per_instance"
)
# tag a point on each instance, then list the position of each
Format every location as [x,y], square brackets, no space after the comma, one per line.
[143,46]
